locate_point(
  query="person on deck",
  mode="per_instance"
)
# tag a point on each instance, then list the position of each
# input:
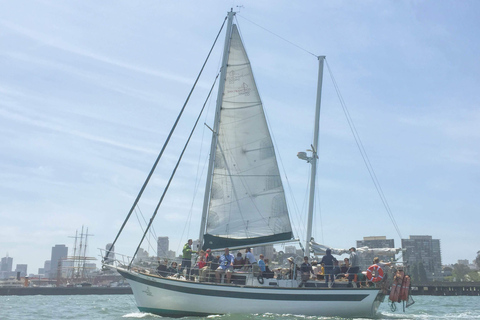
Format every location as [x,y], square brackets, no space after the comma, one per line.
[226,266]
[187,257]
[354,266]
[336,269]
[251,262]
[292,272]
[249,258]
[382,265]
[328,263]
[306,269]
[261,264]
[239,262]
[268,274]
[173,270]
[162,268]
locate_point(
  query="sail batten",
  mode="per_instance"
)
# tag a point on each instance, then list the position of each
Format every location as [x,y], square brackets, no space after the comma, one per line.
[247,201]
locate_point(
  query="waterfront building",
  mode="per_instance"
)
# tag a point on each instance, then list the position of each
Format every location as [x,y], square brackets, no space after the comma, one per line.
[162,247]
[366,259]
[22,268]
[423,257]
[46,267]
[59,252]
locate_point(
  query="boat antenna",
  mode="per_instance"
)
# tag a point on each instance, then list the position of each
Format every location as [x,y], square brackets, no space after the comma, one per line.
[164,146]
[278,36]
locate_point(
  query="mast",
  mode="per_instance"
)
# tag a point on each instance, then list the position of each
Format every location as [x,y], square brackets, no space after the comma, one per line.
[313,159]
[213,146]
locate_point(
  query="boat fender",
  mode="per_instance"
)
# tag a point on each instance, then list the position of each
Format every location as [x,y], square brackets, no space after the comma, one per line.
[405,287]
[260,279]
[396,287]
[375,273]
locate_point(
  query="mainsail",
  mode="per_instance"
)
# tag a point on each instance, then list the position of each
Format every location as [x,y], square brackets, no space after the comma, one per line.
[247,199]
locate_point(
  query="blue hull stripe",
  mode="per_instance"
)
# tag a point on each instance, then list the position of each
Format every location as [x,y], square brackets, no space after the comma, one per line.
[204,291]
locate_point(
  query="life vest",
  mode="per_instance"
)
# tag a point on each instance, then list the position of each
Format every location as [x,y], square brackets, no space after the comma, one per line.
[375,273]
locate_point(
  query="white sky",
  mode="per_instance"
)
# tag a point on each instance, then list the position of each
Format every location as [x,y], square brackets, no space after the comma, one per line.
[90,89]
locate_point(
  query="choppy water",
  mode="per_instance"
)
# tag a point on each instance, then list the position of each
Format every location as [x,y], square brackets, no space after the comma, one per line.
[123,307]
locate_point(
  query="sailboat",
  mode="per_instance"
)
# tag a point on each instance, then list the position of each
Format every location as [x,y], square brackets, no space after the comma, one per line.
[244,206]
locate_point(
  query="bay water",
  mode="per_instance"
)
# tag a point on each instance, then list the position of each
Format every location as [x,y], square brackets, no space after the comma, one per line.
[123,307]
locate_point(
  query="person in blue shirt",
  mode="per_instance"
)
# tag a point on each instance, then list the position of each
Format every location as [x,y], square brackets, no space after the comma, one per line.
[225,266]
[261,263]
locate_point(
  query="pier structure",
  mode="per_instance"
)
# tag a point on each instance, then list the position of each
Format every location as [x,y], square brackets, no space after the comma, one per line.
[446,289]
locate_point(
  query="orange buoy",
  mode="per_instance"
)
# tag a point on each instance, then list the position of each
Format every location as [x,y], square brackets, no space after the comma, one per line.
[375,273]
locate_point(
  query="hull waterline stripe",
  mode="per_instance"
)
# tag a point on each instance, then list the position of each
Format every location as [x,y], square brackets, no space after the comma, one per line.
[247,295]
[173,313]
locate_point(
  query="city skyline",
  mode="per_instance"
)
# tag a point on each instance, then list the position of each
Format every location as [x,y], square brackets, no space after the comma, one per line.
[89,92]
[369,241]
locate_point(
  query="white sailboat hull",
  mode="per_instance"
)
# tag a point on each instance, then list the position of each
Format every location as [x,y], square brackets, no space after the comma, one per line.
[179,298]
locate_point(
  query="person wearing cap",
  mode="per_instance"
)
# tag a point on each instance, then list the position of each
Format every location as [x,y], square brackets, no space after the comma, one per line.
[293,269]
[354,265]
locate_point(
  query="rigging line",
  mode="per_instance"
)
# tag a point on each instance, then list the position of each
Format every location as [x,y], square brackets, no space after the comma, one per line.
[367,162]
[141,227]
[364,155]
[145,222]
[173,173]
[165,144]
[278,36]
[151,232]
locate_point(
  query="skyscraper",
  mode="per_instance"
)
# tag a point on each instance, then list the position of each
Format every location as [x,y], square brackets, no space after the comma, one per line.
[6,267]
[422,254]
[59,252]
[7,263]
[162,247]
[46,267]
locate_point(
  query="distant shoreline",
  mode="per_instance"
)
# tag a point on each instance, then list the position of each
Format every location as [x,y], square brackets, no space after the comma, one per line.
[31,291]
